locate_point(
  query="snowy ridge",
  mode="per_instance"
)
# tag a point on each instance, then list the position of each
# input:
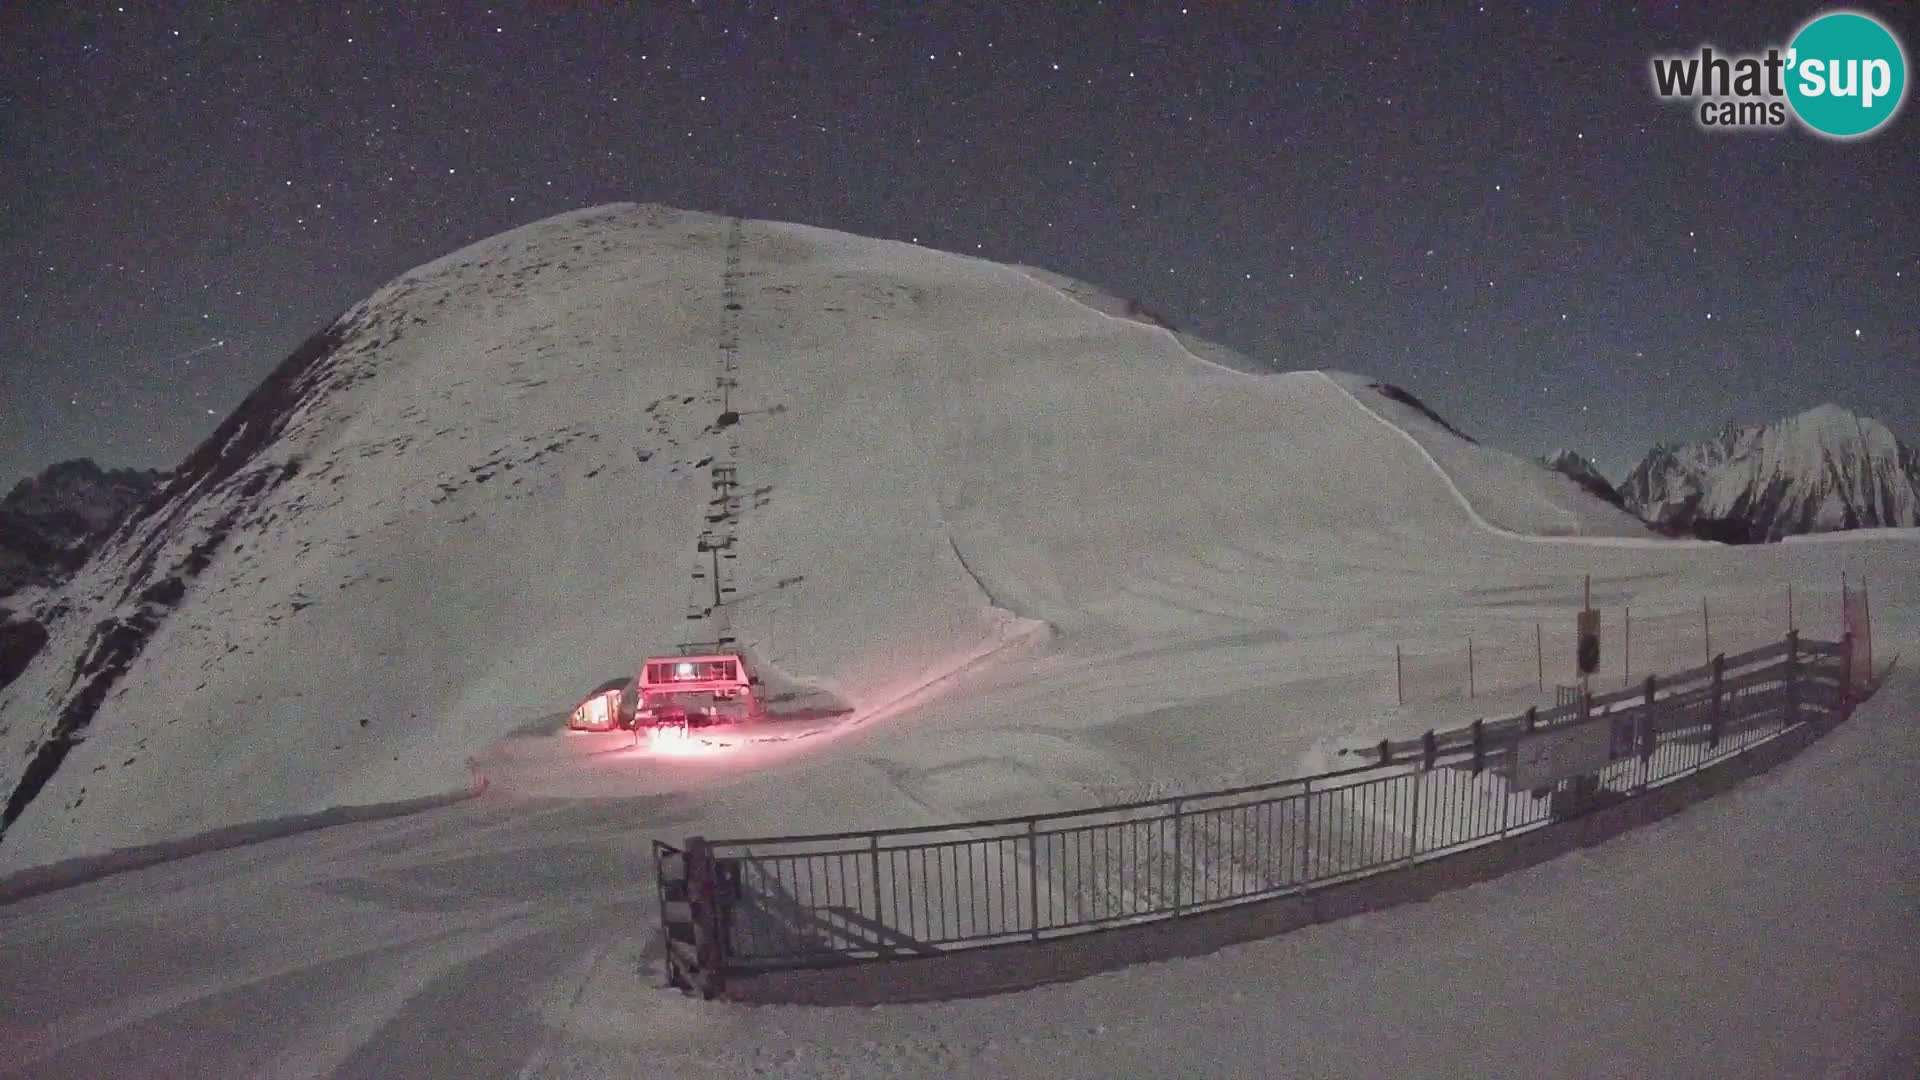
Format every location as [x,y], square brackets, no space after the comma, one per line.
[1629,536]
[1113,308]
[1822,470]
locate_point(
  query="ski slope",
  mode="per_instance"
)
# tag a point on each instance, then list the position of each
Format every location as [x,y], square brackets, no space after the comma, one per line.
[1048,554]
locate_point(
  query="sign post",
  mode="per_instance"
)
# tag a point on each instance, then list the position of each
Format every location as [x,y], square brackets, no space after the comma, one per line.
[1587,652]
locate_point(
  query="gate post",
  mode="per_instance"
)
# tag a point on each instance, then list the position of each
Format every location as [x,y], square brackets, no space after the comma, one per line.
[703,894]
[690,918]
[676,918]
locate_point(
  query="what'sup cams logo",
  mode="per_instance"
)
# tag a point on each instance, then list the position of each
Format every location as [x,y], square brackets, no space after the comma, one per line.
[1843,75]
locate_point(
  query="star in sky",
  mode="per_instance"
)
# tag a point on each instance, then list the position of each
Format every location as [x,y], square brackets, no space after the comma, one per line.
[1315,187]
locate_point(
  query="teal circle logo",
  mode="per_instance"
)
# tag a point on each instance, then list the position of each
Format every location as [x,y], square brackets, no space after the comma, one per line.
[1846,74]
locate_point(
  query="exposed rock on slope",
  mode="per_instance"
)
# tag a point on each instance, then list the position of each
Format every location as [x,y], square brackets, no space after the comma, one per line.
[1582,472]
[49,523]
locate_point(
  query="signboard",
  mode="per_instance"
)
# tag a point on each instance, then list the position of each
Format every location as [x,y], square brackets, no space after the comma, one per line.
[1625,735]
[1549,755]
[1587,654]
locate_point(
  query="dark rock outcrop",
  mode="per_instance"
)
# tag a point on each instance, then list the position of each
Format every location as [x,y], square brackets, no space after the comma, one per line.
[50,523]
[1405,398]
[1582,471]
[155,583]
[20,641]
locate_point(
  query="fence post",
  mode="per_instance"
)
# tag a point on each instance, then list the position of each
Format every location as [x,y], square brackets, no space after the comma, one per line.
[1789,605]
[1179,867]
[1866,616]
[1792,716]
[1706,631]
[873,868]
[1846,671]
[1033,875]
[1306,832]
[1479,746]
[1469,667]
[1413,839]
[1648,733]
[1713,717]
[1539,659]
[1506,791]
[1626,649]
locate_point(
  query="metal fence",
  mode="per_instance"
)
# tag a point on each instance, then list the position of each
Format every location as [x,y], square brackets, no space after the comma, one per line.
[806,901]
[1490,655]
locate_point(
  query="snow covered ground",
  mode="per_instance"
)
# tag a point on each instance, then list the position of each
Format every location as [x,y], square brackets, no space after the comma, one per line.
[1768,932]
[1050,554]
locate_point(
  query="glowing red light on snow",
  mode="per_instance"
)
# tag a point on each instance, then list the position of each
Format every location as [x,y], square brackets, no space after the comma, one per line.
[676,741]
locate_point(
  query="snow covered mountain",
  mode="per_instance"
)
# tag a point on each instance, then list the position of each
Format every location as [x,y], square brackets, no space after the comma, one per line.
[500,479]
[48,522]
[1583,472]
[1823,470]
[1052,555]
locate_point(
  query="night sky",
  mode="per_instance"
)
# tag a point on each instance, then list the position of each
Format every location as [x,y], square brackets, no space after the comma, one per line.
[1486,205]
